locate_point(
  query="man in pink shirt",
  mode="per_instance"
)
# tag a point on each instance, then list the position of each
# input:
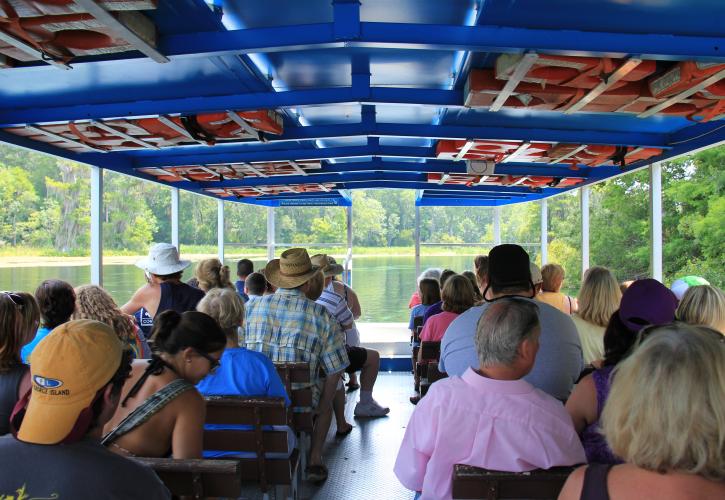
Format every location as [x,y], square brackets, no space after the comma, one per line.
[489,417]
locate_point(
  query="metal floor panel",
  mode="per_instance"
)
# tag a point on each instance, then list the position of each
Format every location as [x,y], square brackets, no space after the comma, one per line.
[361,464]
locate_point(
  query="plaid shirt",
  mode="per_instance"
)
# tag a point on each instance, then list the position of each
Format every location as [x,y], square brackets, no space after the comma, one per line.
[288,327]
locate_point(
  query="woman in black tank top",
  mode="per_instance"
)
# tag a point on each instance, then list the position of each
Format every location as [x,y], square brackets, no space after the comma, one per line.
[19,319]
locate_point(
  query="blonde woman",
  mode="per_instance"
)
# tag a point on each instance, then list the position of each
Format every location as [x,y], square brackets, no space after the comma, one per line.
[553,279]
[599,297]
[93,302]
[665,417]
[703,305]
[211,273]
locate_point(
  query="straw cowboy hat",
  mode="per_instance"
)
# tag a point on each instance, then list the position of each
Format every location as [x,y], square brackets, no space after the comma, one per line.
[163,259]
[327,264]
[294,268]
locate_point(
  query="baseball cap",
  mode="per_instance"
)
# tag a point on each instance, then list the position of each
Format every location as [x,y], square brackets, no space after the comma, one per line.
[680,286]
[69,367]
[508,266]
[647,302]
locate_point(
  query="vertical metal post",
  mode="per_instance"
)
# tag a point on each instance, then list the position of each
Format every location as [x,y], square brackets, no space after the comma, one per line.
[584,209]
[97,226]
[270,233]
[220,229]
[655,218]
[417,241]
[496,226]
[544,231]
[175,218]
[348,257]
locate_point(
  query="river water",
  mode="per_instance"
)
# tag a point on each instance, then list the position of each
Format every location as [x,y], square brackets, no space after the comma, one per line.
[383,284]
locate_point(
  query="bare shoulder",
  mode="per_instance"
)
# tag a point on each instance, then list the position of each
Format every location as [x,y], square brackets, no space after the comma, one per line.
[573,487]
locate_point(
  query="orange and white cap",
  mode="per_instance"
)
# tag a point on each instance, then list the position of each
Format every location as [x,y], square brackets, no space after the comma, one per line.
[68,368]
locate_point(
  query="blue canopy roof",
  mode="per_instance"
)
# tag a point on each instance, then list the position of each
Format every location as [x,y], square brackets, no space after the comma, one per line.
[463,100]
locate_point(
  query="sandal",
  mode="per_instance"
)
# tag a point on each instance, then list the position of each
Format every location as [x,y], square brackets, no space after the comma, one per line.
[414,399]
[342,434]
[352,387]
[316,473]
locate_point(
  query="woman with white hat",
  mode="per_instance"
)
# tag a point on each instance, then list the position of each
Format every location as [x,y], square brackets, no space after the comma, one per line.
[164,289]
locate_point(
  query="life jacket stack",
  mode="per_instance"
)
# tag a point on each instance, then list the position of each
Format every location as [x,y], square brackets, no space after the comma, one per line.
[164,132]
[62,30]
[220,172]
[531,181]
[558,82]
[257,191]
[567,154]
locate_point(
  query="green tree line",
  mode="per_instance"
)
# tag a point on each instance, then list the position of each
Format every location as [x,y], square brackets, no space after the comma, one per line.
[45,203]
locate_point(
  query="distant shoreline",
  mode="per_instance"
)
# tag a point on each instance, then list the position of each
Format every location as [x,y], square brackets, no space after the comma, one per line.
[9,261]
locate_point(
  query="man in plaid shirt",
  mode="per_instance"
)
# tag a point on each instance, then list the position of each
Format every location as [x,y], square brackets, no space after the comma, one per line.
[289,327]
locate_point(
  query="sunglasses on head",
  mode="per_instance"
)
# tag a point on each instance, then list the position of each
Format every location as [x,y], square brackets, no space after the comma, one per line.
[18,300]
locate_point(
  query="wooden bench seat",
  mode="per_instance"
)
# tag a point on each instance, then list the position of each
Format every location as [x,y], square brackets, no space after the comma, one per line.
[474,482]
[198,478]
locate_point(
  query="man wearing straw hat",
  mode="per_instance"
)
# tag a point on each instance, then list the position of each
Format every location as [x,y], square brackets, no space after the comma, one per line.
[288,326]
[165,290]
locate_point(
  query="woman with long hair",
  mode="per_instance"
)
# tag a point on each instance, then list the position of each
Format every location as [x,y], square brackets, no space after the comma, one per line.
[161,413]
[599,297]
[19,318]
[93,302]
[703,305]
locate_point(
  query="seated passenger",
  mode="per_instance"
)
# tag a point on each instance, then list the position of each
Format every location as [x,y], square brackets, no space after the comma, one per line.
[430,293]
[161,413]
[245,267]
[599,297]
[646,302]
[559,361]
[93,302]
[458,296]
[211,273]
[255,286]
[57,301]
[289,326]
[489,417]
[431,273]
[242,372]
[437,307]
[681,285]
[553,279]
[703,305]
[78,372]
[471,277]
[19,318]
[164,289]
[365,360]
[665,417]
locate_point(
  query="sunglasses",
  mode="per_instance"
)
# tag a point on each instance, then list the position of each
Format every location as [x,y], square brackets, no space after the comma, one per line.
[214,364]
[18,300]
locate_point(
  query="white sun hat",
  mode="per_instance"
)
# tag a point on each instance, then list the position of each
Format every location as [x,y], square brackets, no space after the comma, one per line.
[163,259]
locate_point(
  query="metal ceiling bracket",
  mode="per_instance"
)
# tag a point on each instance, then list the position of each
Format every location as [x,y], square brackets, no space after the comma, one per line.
[122,30]
[464,150]
[444,178]
[297,167]
[122,135]
[173,126]
[610,80]
[244,124]
[31,51]
[521,149]
[568,155]
[683,95]
[523,67]
[255,171]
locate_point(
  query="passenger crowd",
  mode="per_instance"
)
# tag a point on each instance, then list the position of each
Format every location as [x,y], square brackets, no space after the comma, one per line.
[630,383]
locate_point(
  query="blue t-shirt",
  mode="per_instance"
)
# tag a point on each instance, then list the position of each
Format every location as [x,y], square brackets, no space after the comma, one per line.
[28,348]
[558,361]
[244,373]
[418,310]
[240,290]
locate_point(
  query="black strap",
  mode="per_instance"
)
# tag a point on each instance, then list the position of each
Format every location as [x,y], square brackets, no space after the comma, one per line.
[155,367]
[595,482]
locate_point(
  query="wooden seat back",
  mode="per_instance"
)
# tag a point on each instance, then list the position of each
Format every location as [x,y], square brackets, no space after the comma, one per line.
[474,482]
[298,373]
[198,478]
[430,350]
[256,413]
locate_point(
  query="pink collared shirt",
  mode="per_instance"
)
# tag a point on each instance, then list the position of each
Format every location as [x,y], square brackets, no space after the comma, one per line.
[505,425]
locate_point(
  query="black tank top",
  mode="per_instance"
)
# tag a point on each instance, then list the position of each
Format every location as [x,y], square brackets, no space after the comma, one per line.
[9,384]
[595,482]
[178,296]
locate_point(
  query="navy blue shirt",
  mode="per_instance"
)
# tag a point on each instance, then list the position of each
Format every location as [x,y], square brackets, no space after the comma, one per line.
[240,290]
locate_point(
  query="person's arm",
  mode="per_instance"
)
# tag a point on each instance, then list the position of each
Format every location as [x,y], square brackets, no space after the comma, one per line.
[354,303]
[582,404]
[572,489]
[188,433]
[137,301]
